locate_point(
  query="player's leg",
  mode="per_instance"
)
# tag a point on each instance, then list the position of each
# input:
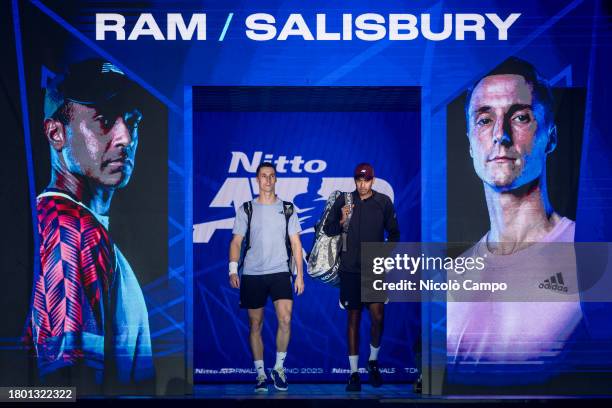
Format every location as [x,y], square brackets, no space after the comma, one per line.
[253,298]
[283,333]
[350,298]
[282,296]
[352,336]
[255,326]
[255,341]
[377,317]
[283,314]
[352,333]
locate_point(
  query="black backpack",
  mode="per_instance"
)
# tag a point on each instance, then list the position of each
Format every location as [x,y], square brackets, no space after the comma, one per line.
[248,209]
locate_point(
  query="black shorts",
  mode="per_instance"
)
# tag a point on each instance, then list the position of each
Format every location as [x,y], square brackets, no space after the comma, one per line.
[350,291]
[255,289]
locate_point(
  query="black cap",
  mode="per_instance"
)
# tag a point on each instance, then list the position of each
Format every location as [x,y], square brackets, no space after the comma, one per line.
[90,82]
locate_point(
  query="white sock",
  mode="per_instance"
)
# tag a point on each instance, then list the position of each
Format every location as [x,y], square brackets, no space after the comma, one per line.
[259,366]
[354,362]
[280,359]
[374,352]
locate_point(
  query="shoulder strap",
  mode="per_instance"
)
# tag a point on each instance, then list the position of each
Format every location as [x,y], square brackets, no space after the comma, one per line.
[248,210]
[288,210]
[348,200]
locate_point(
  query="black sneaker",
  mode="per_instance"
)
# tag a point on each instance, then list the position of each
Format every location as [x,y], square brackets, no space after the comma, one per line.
[354,383]
[375,377]
[262,384]
[279,379]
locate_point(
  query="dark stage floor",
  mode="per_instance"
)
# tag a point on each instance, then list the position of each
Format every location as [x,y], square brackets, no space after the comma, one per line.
[305,391]
[334,395]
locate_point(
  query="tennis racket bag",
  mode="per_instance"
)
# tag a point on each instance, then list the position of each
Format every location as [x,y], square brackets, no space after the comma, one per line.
[324,259]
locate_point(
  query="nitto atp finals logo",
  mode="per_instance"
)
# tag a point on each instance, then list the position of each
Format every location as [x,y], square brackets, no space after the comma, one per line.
[295,176]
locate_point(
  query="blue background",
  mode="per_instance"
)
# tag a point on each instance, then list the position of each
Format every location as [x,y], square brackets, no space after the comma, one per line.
[390,142]
[569,41]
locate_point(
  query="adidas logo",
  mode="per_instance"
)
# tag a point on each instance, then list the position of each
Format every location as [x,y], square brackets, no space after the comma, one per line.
[554,283]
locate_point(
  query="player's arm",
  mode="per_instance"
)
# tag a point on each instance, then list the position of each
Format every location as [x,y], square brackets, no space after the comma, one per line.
[240,230]
[293,230]
[391,225]
[332,225]
[234,257]
[296,250]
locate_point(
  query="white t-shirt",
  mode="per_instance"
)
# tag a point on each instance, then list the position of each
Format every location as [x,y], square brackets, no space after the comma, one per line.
[268,253]
[519,331]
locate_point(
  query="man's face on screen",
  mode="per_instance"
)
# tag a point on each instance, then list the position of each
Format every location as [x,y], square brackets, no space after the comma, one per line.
[266,179]
[508,140]
[101,144]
